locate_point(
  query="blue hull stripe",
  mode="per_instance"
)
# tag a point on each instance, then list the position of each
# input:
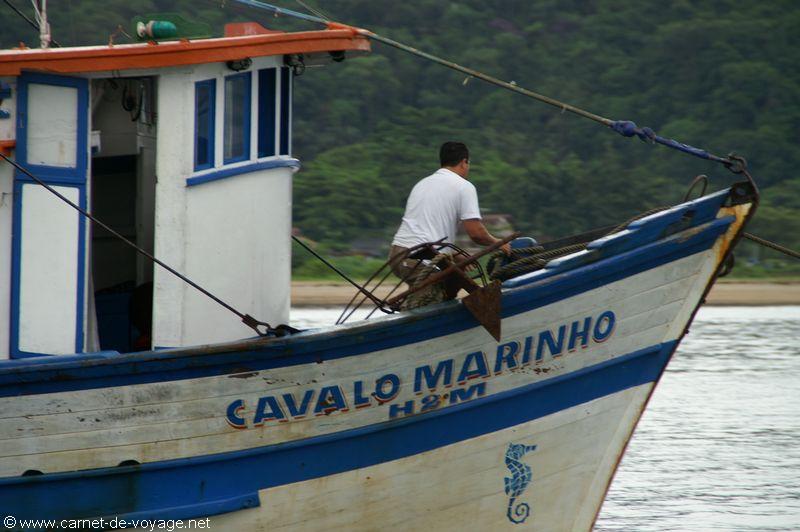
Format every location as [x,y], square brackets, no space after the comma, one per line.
[213,484]
[57,374]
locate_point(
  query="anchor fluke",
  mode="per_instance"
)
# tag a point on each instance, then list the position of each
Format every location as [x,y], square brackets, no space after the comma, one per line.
[484,304]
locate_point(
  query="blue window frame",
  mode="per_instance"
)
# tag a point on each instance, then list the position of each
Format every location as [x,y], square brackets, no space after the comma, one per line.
[267,91]
[236,130]
[286,111]
[205,93]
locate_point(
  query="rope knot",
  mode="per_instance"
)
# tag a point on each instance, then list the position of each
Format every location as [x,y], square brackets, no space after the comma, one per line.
[647,135]
[735,163]
[626,128]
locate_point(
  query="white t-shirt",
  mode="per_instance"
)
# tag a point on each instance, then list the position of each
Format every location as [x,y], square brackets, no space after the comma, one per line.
[435,207]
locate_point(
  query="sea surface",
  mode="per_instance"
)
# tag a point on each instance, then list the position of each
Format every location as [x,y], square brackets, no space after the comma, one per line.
[718,447]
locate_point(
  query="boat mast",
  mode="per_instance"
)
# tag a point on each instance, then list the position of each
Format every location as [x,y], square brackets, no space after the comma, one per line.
[40,7]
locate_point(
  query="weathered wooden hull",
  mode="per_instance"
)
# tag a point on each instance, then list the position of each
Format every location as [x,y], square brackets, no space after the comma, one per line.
[409,421]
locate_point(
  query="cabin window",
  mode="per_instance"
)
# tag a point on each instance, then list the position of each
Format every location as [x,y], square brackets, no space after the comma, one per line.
[248,119]
[286,111]
[267,91]
[204,96]
[236,131]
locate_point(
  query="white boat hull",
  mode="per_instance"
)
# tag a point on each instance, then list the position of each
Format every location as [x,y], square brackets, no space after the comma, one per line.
[462,484]
[411,421]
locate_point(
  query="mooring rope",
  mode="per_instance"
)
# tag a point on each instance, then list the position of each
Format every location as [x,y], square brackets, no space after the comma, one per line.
[531,262]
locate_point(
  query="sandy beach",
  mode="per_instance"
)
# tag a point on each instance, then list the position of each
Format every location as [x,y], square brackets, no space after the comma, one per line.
[330,293]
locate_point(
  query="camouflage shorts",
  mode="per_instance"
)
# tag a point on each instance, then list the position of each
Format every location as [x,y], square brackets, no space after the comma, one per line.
[413,272]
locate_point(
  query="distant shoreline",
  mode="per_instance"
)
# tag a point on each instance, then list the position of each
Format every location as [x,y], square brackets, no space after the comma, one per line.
[728,293]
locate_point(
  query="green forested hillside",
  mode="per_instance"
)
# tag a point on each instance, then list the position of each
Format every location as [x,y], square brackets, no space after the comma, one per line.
[723,75]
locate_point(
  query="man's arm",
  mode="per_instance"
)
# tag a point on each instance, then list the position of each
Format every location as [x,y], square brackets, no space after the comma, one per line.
[480,235]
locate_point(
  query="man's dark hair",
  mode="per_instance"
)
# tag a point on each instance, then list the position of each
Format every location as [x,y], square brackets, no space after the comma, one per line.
[452,153]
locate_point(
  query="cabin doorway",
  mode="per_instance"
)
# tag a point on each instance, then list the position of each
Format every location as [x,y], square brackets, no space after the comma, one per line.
[122,194]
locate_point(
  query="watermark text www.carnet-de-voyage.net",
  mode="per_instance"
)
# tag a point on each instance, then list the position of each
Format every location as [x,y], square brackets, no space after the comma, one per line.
[168,525]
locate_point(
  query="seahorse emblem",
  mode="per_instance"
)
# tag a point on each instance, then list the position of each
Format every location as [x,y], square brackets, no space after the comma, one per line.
[520,477]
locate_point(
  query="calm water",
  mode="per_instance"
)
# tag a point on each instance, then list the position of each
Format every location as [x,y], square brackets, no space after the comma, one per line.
[719,445]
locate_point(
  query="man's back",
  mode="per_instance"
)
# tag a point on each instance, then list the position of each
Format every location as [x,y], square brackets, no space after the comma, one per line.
[435,206]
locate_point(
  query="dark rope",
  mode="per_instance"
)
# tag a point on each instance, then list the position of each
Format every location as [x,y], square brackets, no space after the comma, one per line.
[343,275]
[246,318]
[516,254]
[530,263]
[772,245]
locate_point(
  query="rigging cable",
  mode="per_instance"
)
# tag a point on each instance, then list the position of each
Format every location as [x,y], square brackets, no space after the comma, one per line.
[28,20]
[344,276]
[317,12]
[626,128]
[772,245]
[247,319]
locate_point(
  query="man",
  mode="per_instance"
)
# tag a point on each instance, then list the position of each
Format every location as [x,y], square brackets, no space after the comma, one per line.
[435,207]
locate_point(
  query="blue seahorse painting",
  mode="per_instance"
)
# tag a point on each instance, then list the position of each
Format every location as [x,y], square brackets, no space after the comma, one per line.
[520,478]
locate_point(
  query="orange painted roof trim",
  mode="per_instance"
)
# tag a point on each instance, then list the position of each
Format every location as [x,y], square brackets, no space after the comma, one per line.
[174,53]
[6,146]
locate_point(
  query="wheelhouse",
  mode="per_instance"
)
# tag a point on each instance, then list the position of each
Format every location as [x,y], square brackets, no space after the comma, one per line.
[185,148]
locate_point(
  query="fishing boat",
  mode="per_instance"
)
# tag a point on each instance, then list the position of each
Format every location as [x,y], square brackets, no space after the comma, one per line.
[134,390]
